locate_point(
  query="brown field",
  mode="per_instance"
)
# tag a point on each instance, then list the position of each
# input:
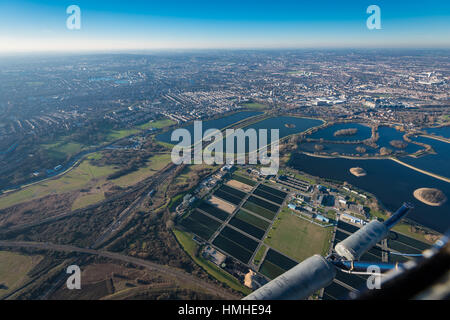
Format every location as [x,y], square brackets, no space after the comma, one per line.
[239,185]
[13,270]
[100,280]
[109,281]
[221,204]
[36,209]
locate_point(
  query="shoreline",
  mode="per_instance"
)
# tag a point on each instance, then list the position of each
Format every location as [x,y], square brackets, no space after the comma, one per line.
[442,139]
[418,195]
[385,211]
[436,176]
[341,156]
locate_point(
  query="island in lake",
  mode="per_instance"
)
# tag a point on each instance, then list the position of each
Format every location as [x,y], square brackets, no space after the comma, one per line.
[430,196]
[319,147]
[385,151]
[361,149]
[346,132]
[358,172]
[398,144]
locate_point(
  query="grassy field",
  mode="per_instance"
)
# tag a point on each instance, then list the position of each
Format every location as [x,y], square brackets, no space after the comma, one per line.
[85,176]
[154,164]
[76,179]
[120,134]
[13,270]
[189,245]
[191,172]
[259,254]
[401,227]
[159,124]
[85,200]
[82,176]
[62,149]
[378,214]
[298,238]
[405,229]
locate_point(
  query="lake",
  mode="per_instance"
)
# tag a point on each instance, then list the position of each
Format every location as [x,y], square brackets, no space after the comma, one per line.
[389,181]
[436,163]
[442,131]
[295,125]
[341,148]
[364,132]
[211,124]
[388,134]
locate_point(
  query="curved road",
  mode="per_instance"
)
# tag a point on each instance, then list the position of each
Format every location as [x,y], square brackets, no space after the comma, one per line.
[164,269]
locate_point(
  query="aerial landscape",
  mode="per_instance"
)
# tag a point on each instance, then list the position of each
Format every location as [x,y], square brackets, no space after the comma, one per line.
[88,178]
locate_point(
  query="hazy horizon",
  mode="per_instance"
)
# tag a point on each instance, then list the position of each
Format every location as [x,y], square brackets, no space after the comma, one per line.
[40,26]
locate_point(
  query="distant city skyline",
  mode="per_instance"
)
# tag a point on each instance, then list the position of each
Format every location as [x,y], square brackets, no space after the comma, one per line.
[39,26]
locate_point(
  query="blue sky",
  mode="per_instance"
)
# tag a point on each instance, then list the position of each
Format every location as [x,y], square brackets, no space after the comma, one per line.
[172,24]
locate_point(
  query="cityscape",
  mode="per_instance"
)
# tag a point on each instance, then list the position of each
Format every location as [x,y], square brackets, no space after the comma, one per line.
[88,180]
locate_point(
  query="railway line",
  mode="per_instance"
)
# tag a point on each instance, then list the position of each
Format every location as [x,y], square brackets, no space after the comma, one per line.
[169,271]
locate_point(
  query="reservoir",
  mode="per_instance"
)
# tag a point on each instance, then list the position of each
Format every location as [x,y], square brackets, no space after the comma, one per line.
[388,134]
[389,181]
[436,163]
[341,148]
[441,132]
[363,133]
[286,125]
[211,124]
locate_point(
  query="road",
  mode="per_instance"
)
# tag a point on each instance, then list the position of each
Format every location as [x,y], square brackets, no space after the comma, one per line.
[111,230]
[163,269]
